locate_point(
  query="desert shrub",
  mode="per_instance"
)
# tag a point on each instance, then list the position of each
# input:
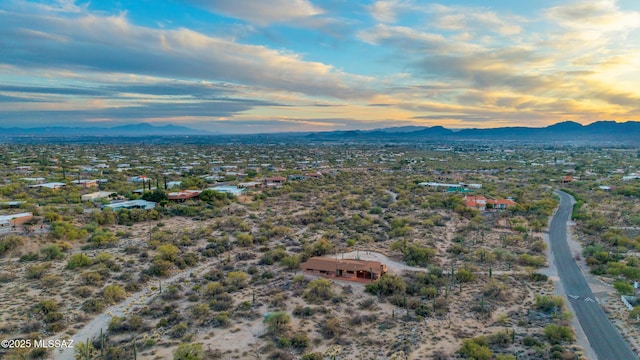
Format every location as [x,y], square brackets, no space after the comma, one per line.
[102,238]
[7,277]
[93,306]
[495,290]
[623,287]
[418,256]
[277,322]
[200,311]
[221,302]
[300,341]
[113,294]
[178,330]
[186,351]
[531,341]
[538,246]
[29,257]
[556,334]
[160,268]
[212,289]
[387,285]
[330,328]
[300,311]
[291,262]
[312,356]
[92,278]
[49,281]
[500,338]
[10,242]
[367,303]
[36,271]
[537,277]
[476,349]
[464,276]
[168,252]
[52,252]
[549,304]
[78,261]
[236,280]
[222,320]
[272,256]
[244,239]
[530,260]
[423,310]
[46,306]
[318,290]
[83,291]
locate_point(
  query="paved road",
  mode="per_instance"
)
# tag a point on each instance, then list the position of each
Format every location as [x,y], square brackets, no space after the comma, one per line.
[604,338]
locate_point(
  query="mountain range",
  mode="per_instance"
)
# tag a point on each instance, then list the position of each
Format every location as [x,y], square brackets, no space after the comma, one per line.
[568,131]
[141,129]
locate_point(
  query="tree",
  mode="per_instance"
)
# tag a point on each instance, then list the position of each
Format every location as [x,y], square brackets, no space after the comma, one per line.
[157,196]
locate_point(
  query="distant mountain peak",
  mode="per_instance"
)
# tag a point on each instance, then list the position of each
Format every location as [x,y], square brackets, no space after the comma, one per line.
[139,129]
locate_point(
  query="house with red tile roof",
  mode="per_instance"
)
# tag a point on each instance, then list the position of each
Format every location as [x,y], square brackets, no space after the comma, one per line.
[183,195]
[344,269]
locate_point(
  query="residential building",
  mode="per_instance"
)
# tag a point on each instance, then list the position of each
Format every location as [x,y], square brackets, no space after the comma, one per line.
[345,269]
[131,204]
[50,185]
[183,195]
[95,196]
[9,222]
[482,203]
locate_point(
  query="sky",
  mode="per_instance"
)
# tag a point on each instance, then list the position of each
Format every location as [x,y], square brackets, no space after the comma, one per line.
[249,66]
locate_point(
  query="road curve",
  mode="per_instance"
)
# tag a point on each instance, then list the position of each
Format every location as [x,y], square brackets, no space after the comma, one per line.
[604,338]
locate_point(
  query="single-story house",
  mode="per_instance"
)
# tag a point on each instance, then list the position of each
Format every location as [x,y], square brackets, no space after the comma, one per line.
[131,204]
[143,190]
[347,269]
[183,195]
[35,180]
[482,203]
[274,180]
[94,196]
[7,222]
[172,184]
[139,179]
[227,189]
[50,185]
[85,182]
[250,184]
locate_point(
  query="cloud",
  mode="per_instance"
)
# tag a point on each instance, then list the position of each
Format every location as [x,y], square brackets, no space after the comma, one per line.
[263,12]
[599,15]
[387,11]
[467,19]
[113,44]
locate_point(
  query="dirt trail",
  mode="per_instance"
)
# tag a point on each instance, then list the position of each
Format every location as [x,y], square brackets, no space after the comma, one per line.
[140,298]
